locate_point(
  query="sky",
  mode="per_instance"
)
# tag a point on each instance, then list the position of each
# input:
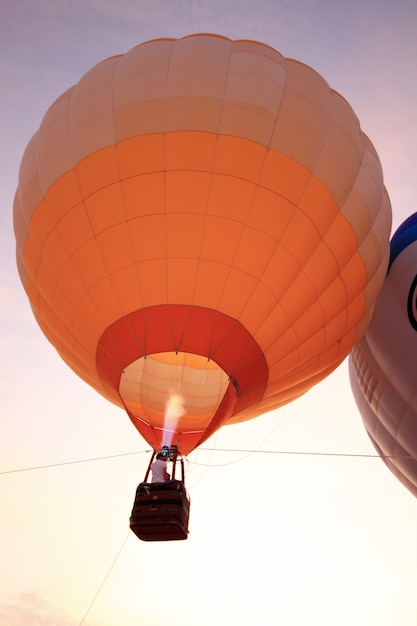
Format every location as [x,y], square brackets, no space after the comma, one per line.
[309,528]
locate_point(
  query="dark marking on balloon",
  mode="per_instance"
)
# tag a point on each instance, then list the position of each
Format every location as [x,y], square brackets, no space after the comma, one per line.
[412,303]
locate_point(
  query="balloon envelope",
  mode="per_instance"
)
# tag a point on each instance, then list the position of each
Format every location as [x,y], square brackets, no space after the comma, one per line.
[382,365]
[201,218]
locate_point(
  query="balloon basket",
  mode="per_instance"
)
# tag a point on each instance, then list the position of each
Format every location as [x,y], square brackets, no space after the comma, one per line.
[161,511]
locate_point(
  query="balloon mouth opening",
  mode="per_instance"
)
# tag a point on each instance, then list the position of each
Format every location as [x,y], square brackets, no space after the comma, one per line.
[173,391]
[208,357]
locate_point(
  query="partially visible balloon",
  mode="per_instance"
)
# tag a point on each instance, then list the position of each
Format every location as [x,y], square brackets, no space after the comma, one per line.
[383,364]
[201,218]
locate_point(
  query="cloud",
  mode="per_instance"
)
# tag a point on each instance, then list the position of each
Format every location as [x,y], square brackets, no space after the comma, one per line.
[33,609]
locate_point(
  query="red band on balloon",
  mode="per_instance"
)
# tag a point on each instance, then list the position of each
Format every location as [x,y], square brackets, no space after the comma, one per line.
[193,329]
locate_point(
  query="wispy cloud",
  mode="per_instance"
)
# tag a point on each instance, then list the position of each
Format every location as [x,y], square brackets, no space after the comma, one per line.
[33,609]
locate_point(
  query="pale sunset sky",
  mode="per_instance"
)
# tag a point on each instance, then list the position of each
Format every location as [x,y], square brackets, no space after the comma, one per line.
[292,539]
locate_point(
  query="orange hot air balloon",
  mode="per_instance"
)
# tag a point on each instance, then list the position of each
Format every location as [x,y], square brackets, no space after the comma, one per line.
[201,217]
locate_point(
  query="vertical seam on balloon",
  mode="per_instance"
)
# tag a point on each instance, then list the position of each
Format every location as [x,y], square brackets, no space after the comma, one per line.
[311,175]
[211,174]
[256,185]
[166,105]
[120,183]
[241,224]
[87,294]
[69,327]
[220,117]
[309,218]
[114,149]
[279,243]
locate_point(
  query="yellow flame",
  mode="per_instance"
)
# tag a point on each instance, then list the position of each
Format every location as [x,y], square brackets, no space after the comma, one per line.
[175,406]
[173,411]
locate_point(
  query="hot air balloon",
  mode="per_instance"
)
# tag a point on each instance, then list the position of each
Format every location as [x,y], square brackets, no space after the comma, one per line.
[202,219]
[382,365]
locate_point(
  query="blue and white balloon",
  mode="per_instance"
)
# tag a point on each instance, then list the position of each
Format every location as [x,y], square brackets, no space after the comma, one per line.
[383,364]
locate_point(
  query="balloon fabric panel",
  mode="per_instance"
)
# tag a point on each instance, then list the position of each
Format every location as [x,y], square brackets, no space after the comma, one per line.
[382,364]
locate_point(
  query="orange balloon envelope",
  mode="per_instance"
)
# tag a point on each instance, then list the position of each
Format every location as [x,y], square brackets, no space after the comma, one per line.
[203,220]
